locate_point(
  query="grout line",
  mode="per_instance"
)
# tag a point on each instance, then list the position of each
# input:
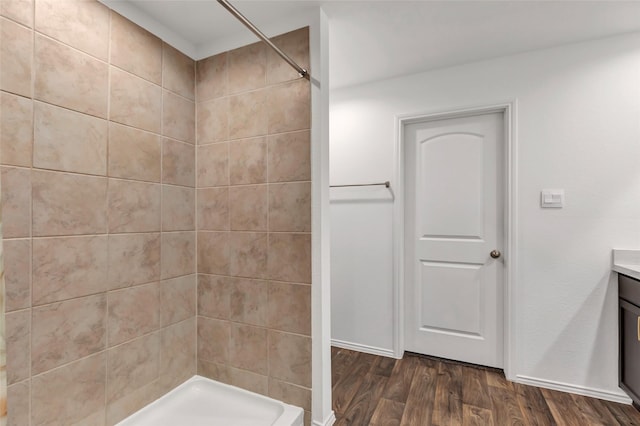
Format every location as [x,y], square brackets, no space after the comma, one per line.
[264,135]
[32,131]
[106,311]
[195,214]
[133,180]
[228,94]
[10,19]
[196,207]
[262,327]
[77,50]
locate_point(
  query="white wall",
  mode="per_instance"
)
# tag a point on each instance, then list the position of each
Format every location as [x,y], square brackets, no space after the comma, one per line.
[361,271]
[578,128]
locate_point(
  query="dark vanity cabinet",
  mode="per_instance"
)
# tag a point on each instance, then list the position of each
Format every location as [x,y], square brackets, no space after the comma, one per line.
[629,317]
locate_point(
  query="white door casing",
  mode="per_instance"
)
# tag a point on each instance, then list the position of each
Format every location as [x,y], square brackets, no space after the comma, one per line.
[454,180]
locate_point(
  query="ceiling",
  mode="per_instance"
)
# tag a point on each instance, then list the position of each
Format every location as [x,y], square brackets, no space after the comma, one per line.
[372,40]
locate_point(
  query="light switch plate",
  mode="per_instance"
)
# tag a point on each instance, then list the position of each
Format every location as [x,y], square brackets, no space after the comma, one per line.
[552,198]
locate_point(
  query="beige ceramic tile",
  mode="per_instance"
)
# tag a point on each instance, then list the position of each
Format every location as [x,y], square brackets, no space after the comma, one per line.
[213,165]
[289,157]
[248,348]
[135,102]
[178,254]
[214,371]
[252,382]
[177,299]
[122,408]
[18,10]
[68,267]
[290,207]
[178,208]
[17,269]
[16,45]
[69,141]
[16,130]
[290,358]
[133,259]
[70,79]
[290,257]
[214,293]
[16,202]
[289,107]
[212,121]
[213,253]
[82,383]
[79,23]
[178,163]
[136,50]
[211,77]
[248,207]
[178,72]
[18,325]
[213,340]
[134,154]
[213,209]
[65,331]
[296,45]
[133,312]
[178,117]
[289,307]
[132,365]
[248,254]
[248,161]
[248,114]
[290,394]
[65,204]
[178,353]
[18,401]
[134,206]
[248,301]
[247,68]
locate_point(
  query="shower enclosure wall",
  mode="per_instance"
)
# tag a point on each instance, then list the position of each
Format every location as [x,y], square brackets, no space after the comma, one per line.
[103,237]
[254,220]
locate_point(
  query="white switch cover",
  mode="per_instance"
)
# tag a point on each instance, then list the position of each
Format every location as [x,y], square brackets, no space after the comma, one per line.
[552,198]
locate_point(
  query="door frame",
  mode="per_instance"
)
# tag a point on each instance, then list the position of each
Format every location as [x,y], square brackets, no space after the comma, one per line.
[509,196]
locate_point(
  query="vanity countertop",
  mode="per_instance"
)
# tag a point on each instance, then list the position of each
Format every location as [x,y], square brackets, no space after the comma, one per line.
[627,262]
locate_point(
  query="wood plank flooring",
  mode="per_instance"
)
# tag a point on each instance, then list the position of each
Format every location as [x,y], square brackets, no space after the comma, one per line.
[423,391]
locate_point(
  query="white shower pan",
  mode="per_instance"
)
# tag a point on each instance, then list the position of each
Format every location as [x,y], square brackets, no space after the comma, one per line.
[203,402]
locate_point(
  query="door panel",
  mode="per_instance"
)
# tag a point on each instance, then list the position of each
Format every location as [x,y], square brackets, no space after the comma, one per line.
[455,209]
[459,283]
[453,220]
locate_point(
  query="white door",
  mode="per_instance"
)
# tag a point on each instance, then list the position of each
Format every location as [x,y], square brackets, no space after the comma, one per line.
[453,222]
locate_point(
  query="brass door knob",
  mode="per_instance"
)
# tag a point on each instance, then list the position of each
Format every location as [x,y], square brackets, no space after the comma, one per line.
[495,254]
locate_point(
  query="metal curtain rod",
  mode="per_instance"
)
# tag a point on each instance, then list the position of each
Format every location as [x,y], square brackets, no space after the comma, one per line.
[386,184]
[301,71]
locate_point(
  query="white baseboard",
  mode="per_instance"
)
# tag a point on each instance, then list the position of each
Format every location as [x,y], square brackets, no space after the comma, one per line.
[328,421]
[620,396]
[373,350]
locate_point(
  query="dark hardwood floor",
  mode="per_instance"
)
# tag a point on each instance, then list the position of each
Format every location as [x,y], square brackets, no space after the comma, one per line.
[421,391]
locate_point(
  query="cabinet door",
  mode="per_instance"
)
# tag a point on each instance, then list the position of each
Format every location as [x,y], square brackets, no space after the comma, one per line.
[630,348]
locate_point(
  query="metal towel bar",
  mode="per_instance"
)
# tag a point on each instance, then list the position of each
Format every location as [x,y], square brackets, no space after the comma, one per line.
[386,184]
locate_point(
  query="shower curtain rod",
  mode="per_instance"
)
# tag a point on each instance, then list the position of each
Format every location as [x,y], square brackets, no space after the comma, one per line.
[301,71]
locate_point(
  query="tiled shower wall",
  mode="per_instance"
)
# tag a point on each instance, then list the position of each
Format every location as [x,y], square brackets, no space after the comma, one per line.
[3,346]
[254,220]
[98,191]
